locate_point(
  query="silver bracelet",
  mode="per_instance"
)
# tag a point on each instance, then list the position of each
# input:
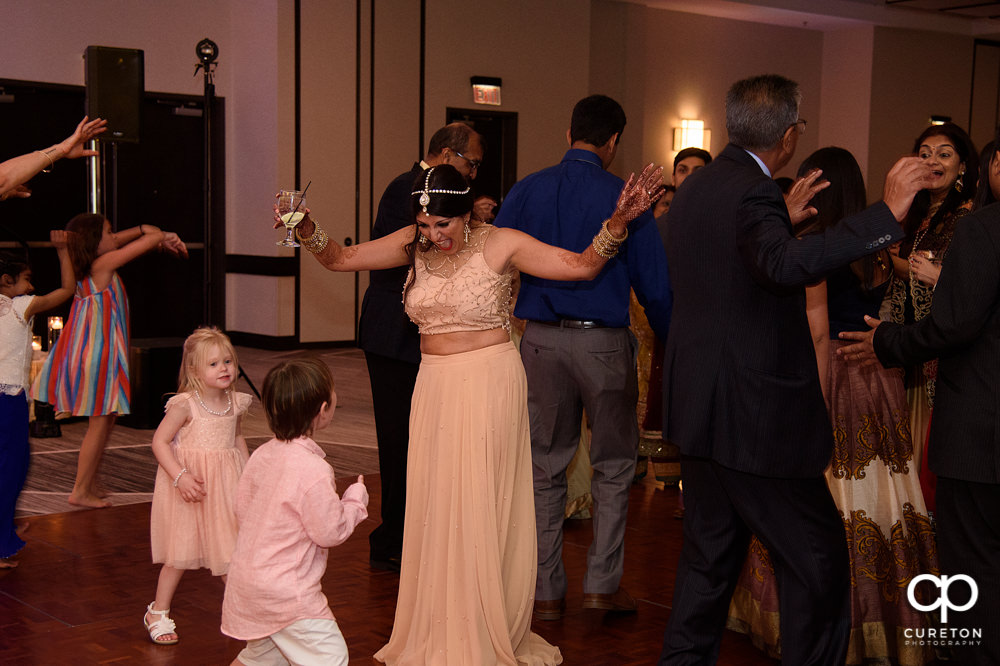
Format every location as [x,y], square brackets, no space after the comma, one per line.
[179,475]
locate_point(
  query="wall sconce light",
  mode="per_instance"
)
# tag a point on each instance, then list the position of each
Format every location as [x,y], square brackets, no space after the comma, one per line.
[486,90]
[940,120]
[692,134]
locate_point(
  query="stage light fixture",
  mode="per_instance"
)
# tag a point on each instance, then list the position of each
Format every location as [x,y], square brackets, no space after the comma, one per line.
[207,51]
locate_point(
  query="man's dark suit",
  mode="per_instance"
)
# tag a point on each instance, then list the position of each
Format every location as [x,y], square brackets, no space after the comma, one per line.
[392,351]
[742,399]
[963,330]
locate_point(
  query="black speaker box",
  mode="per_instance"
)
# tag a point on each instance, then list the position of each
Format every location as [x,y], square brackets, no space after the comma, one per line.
[154,364]
[115,80]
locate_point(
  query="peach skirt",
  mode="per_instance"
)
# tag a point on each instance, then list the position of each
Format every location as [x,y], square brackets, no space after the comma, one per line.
[466,589]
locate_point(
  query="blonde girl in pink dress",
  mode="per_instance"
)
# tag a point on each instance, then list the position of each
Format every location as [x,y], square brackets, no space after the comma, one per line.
[202,452]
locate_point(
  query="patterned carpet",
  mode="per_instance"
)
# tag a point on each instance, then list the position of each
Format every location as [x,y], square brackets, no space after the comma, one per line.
[129,468]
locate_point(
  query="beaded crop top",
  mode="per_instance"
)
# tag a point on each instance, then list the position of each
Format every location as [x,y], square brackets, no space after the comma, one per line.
[458,292]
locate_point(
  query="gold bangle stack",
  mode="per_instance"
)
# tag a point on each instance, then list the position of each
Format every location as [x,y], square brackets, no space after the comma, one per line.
[317,242]
[606,245]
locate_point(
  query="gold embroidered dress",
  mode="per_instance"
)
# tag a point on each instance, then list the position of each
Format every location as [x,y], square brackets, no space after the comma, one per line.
[875,485]
[910,301]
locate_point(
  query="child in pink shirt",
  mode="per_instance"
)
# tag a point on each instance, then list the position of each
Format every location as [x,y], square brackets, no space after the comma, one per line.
[289,514]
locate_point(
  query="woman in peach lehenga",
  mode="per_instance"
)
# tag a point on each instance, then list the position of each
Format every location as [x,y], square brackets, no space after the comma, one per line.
[467,580]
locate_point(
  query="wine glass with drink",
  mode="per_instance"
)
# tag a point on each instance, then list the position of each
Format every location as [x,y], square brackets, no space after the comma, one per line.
[291,209]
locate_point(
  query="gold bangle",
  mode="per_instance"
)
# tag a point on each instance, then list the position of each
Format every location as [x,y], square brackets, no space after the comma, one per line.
[316,242]
[605,244]
[605,230]
[45,154]
[302,238]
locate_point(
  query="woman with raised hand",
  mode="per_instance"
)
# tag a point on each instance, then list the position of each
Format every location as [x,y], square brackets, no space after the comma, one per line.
[468,567]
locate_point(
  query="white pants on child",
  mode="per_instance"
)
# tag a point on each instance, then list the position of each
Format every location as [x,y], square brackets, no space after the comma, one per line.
[302,643]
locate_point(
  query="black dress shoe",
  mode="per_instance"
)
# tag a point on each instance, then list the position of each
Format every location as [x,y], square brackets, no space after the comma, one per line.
[385,564]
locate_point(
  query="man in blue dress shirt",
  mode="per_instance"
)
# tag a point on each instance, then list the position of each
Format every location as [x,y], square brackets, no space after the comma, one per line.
[579,354]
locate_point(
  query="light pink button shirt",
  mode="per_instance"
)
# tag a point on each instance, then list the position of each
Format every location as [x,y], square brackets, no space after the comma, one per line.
[289,514]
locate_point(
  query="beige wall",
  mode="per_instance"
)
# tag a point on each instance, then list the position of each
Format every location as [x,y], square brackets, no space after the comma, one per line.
[915,74]
[846,92]
[255,57]
[329,145]
[539,49]
[679,65]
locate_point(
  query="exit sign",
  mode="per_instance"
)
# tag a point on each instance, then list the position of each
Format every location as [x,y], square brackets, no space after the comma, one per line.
[486,90]
[482,94]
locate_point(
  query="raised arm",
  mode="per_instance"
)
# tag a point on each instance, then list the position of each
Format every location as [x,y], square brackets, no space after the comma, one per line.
[329,519]
[385,252]
[529,255]
[67,282]
[775,256]
[130,244]
[18,170]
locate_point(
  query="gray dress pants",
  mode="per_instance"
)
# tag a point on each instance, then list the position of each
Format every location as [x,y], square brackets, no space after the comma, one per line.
[569,370]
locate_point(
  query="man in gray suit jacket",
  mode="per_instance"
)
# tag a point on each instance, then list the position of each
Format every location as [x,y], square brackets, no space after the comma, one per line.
[742,396]
[963,332]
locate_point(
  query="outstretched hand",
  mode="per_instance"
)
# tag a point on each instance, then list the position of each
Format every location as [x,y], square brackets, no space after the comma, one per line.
[172,244]
[639,193]
[801,193]
[72,146]
[863,351]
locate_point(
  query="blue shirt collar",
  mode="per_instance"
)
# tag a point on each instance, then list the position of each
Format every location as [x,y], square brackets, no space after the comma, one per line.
[759,162]
[581,155]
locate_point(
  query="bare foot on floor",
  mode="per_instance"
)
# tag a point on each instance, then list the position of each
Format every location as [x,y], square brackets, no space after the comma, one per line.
[7,563]
[22,528]
[88,500]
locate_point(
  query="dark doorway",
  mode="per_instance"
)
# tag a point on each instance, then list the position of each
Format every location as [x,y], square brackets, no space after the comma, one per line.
[498,172]
[159,181]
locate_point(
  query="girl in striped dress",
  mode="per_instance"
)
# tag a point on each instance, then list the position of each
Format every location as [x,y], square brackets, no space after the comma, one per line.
[86,374]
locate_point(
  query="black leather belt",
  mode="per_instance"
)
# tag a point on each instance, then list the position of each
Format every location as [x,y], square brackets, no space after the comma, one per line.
[573,323]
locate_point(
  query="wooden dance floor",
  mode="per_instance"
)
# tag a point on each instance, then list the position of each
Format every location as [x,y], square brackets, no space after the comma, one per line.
[85,576]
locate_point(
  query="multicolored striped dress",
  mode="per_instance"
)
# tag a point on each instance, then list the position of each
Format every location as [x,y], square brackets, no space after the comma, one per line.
[87,372]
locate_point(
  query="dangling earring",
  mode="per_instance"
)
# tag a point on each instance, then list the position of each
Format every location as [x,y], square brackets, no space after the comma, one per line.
[424,241]
[958,183]
[466,233]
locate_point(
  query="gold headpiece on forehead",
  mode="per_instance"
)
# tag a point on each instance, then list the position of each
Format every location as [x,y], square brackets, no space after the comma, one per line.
[425,194]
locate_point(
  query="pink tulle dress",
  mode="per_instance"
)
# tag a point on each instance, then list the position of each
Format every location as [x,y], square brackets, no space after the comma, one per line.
[195,535]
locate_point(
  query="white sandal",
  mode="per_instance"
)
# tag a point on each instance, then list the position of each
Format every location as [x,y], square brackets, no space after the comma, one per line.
[161,627]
